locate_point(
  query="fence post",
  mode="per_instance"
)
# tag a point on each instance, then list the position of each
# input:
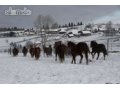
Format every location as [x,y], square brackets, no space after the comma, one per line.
[108,45]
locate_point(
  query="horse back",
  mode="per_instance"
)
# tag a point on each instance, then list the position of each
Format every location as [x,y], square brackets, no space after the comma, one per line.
[83,47]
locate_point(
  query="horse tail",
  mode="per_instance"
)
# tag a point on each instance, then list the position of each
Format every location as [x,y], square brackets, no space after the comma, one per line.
[106,52]
[61,53]
[89,50]
[61,57]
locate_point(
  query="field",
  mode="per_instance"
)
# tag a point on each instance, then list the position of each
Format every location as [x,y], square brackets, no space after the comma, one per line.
[24,70]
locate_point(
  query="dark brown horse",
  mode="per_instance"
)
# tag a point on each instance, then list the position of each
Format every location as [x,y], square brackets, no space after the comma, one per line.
[32,51]
[15,51]
[98,48]
[60,50]
[78,49]
[37,52]
[47,50]
[24,51]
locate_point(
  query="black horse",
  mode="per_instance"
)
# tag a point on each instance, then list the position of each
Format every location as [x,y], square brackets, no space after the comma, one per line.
[78,49]
[15,51]
[60,50]
[98,48]
[24,51]
[47,50]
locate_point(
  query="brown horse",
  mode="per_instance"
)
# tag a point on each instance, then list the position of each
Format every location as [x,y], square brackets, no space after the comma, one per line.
[37,52]
[24,51]
[47,50]
[78,49]
[15,51]
[32,51]
[98,48]
[60,50]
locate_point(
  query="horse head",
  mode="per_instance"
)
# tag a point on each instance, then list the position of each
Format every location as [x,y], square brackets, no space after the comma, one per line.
[93,44]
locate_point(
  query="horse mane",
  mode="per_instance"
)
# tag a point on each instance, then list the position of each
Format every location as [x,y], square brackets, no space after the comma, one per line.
[71,44]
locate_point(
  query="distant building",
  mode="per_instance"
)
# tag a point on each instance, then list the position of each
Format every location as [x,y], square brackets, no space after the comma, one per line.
[84,33]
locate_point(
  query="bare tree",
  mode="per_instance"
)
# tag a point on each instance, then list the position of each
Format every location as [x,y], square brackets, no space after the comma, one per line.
[48,21]
[55,25]
[44,22]
[109,29]
[109,25]
[39,22]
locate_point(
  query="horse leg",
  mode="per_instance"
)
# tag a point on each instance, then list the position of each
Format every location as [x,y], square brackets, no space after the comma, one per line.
[55,56]
[86,56]
[104,55]
[63,57]
[93,55]
[81,58]
[73,60]
[98,56]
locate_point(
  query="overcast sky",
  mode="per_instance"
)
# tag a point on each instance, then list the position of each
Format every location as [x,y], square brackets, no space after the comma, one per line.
[62,14]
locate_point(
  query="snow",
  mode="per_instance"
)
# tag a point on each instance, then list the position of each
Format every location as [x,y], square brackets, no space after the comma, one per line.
[86,32]
[74,31]
[27,70]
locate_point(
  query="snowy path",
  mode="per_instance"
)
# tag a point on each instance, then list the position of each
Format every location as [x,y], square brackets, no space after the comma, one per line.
[26,70]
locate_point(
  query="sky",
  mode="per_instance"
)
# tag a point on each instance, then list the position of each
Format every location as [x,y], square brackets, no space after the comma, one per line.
[61,13]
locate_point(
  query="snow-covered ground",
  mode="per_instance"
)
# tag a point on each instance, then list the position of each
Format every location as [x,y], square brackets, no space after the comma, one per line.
[46,70]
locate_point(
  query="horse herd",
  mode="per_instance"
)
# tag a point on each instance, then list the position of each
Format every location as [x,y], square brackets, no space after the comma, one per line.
[61,50]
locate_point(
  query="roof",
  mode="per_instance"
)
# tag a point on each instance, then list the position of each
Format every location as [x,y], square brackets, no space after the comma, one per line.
[74,31]
[62,30]
[86,32]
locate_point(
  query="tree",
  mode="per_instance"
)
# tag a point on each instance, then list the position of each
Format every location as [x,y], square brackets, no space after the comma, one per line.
[59,26]
[109,29]
[48,21]
[12,34]
[39,22]
[72,24]
[15,28]
[109,25]
[55,25]
[89,26]
[80,23]
[69,24]
[44,22]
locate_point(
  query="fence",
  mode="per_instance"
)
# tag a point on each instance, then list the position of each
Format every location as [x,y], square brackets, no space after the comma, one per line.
[112,44]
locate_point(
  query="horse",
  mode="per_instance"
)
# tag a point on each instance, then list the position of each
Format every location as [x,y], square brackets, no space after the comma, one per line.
[31,51]
[24,51]
[47,50]
[78,49]
[15,51]
[37,52]
[60,50]
[98,48]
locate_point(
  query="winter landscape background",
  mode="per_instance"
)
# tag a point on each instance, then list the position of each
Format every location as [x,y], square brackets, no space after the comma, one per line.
[27,70]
